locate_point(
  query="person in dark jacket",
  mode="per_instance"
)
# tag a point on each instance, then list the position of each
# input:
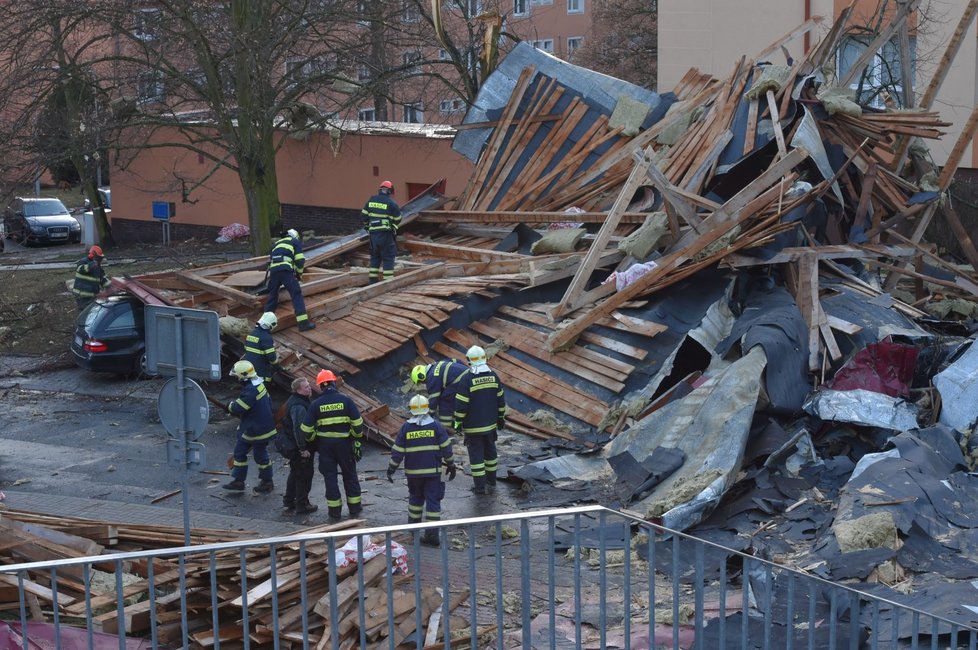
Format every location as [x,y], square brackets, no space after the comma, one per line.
[382,218]
[333,426]
[441,382]
[286,265]
[423,445]
[259,346]
[291,443]
[89,277]
[257,427]
[480,411]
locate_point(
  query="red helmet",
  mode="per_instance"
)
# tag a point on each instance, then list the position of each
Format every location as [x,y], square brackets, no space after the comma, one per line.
[387,185]
[95,251]
[324,376]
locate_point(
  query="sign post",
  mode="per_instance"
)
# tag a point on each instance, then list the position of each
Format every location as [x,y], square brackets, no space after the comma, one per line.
[163,212]
[183,343]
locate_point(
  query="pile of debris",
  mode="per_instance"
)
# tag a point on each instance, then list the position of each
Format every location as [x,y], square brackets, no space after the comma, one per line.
[234,588]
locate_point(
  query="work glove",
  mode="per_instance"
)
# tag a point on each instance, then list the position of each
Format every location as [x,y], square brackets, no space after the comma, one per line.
[450,469]
[390,472]
[357,450]
[457,425]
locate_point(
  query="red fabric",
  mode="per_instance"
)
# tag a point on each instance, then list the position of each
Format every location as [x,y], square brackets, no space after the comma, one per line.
[883,367]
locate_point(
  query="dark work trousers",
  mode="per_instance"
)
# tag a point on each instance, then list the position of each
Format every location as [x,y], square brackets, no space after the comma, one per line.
[424,497]
[482,457]
[301,471]
[259,451]
[336,456]
[383,250]
[285,277]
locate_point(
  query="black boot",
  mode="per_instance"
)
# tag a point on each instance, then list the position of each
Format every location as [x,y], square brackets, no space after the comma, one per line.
[305,508]
[234,486]
[306,325]
[430,538]
[264,487]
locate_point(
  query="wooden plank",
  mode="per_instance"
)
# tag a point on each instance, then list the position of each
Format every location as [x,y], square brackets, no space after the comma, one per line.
[589,264]
[526,217]
[458,252]
[227,293]
[632,325]
[830,252]
[337,306]
[586,337]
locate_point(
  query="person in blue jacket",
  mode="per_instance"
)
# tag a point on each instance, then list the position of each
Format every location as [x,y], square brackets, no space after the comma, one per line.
[260,346]
[382,218]
[424,446]
[441,382]
[480,411]
[286,264]
[256,429]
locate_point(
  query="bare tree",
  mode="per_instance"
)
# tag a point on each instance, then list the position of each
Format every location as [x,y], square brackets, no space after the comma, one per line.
[623,41]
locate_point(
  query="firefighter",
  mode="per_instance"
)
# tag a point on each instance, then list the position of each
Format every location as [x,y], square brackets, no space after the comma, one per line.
[260,346]
[382,217]
[423,445]
[333,426]
[257,427]
[480,411]
[89,277]
[285,267]
[292,444]
[441,382]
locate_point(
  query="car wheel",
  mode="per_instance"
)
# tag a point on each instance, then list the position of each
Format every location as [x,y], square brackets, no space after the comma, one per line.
[139,370]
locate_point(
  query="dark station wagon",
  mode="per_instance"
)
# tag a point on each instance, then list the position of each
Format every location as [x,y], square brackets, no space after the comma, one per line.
[110,336]
[40,221]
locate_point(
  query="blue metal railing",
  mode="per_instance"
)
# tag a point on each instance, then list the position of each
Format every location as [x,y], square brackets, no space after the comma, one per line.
[573,577]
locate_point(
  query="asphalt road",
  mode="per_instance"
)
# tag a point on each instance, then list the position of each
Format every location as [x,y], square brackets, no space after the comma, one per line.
[74,438]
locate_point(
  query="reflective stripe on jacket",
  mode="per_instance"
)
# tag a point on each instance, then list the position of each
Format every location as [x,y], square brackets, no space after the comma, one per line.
[254,407]
[332,415]
[89,278]
[422,443]
[381,213]
[441,383]
[479,402]
[260,351]
[287,254]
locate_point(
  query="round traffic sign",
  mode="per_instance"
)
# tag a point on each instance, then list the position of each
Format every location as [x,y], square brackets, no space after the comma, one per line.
[195,412]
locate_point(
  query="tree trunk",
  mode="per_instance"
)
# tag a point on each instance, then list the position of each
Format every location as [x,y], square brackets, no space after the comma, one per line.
[260,183]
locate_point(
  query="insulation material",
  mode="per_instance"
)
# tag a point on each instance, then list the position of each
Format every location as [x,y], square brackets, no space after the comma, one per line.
[839,100]
[679,117]
[236,327]
[863,407]
[564,240]
[883,367]
[628,114]
[641,243]
[773,77]
[875,530]
[958,386]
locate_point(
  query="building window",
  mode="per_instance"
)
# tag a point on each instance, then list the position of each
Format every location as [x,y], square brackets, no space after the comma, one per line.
[443,55]
[575,6]
[147,27]
[363,73]
[411,61]
[573,43]
[546,44]
[367,115]
[410,13]
[413,114]
[451,105]
[149,87]
[520,8]
[882,76]
[541,2]
[474,7]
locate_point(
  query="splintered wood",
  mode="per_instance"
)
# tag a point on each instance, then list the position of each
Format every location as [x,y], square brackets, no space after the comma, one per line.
[246,586]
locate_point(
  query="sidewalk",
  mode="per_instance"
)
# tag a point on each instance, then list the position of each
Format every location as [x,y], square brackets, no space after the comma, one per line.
[130,513]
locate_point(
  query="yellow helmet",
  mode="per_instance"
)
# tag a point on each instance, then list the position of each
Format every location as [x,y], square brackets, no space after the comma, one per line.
[243,370]
[476,355]
[419,374]
[419,405]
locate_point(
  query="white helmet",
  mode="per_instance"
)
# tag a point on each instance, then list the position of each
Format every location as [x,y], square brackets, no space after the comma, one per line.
[476,355]
[243,370]
[419,405]
[292,232]
[268,320]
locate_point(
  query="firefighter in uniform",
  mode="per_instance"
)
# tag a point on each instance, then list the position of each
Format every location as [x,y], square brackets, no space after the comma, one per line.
[285,266]
[480,410]
[423,445]
[382,217]
[89,277]
[260,346]
[291,443]
[256,429]
[334,427]
[441,382]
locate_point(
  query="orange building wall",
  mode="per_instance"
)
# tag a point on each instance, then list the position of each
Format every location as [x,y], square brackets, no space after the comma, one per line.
[309,173]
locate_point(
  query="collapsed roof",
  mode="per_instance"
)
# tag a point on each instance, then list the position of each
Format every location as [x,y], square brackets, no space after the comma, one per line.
[665,279]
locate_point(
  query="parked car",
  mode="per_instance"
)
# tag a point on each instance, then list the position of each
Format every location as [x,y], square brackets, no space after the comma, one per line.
[110,336]
[32,220]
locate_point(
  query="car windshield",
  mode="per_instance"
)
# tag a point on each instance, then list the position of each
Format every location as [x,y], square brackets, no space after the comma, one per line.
[42,207]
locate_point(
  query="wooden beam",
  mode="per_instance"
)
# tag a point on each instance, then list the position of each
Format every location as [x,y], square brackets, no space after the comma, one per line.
[228,293]
[801,29]
[590,262]
[674,199]
[457,252]
[338,306]
[841,251]
[514,216]
[950,53]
